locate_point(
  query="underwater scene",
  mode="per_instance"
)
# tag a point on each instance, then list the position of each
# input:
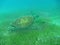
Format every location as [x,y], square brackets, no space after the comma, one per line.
[29,22]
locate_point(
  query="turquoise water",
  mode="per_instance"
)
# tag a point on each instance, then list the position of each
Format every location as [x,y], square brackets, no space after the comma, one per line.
[10,7]
[45,29]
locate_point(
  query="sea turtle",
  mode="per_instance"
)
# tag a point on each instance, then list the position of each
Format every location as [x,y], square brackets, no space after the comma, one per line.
[23,22]
[28,23]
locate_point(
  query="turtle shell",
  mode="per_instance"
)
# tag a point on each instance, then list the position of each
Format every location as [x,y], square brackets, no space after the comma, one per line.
[23,22]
